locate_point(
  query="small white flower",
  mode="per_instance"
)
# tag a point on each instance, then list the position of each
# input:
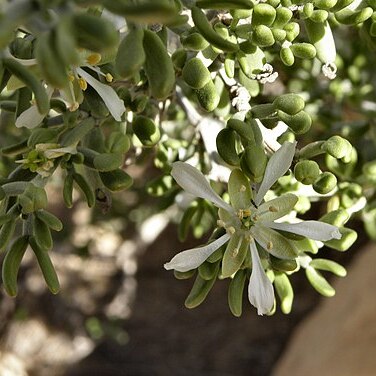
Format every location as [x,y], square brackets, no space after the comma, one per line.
[250,221]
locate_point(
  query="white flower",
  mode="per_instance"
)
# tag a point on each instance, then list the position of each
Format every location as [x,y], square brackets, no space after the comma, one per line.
[248,222]
[114,104]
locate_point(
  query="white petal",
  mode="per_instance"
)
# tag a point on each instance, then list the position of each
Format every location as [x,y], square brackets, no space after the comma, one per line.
[314,230]
[260,289]
[30,118]
[114,104]
[277,166]
[55,153]
[192,258]
[195,183]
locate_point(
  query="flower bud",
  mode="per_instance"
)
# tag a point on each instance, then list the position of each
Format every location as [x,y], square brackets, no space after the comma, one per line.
[324,4]
[195,74]
[287,56]
[303,50]
[299,123]
[291,104]
[319,283]
[308,9]
[336,217]
[319,16]
[325,183]
[262,36]
[329,266]
[337,147]
[306,172]
[279,34]
[263,14]
[283,16]
[292,31]
[285,291]
[348,238]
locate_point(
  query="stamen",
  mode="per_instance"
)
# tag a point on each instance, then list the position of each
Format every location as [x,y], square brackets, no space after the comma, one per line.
[273,209]
[220,223]
[248,238]
[243,188]
[71,77]
[82,83]
[109,77]
[235,252]
[255,218]
[231,230]
[247,212]
[94,59]
[269,246]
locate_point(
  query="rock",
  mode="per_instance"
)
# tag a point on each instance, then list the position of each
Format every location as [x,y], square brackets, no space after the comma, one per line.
[339,337]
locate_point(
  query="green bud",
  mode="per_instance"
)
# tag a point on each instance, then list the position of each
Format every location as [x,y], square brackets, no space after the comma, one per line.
[324,4]
[285,291]
[329,266]
[319,283]
[337,147]
[319,16]
[263,14]
[291,104]
[50,220]
[208,97]
[279,34]
[299,123]
[336,217]
[195,74]
[349,237]
[303,50]
[325,183]
[226,146]
[42,234]
[243,129]
[262,36]
[306,172]
[287,56]
[283,16]
[308,9]
[146,130]
[241,13]
[350,17]
[292,31]
[194,42]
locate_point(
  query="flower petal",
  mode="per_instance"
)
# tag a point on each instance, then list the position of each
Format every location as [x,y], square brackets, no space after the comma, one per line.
[260,288]
[30,118]
[277,166]
[273,242]
[114,104]
[277,208]
[310,229]
[195,183]
[193,258]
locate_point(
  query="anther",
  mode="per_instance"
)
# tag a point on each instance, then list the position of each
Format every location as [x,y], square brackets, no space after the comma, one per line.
[235,252]
[94,59]
[231,230]
[273,209]
[269,246]
[82,83]
[220,223]
[243,188]
[109,77]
